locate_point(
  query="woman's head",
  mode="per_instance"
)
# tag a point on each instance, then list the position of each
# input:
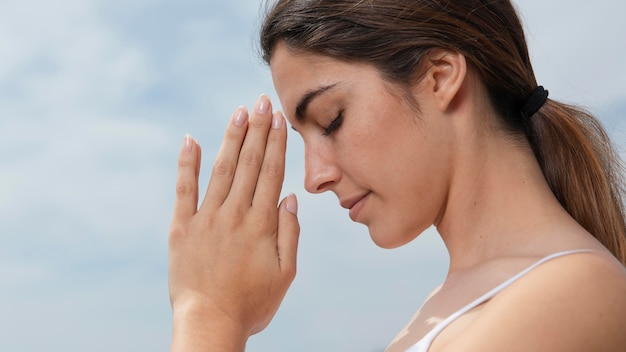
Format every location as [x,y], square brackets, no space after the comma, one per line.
[398,39]
[364,143]
[395,35]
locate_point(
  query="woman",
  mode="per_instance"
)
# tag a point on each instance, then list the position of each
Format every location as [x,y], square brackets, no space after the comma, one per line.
[413,113]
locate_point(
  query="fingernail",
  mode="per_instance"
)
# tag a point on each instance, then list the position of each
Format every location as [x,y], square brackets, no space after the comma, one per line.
[240,116]
[187,143]
[292,204]
[277,120]
[263,105]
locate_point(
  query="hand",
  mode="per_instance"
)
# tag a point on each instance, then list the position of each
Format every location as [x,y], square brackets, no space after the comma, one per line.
[232,259]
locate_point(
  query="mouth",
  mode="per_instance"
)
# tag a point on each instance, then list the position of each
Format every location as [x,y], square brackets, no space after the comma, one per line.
[355,204]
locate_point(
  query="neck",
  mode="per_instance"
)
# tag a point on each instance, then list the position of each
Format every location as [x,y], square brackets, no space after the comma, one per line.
[499,204]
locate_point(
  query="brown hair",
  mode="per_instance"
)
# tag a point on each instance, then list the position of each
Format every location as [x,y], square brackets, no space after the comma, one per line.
[575,153]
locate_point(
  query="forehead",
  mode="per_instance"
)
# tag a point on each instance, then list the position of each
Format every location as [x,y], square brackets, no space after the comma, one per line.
[297,73]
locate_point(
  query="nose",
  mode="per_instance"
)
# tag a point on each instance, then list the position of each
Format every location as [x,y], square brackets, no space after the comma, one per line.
[321,171]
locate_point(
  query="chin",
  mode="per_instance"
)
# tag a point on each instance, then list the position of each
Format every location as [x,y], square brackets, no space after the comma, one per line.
[389,239]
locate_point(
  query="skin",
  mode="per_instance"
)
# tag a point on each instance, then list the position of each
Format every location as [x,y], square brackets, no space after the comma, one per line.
[232,259]
[401,170]
[359,159]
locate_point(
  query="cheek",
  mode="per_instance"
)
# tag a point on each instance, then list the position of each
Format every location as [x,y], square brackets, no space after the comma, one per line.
[407,216]
[412,196]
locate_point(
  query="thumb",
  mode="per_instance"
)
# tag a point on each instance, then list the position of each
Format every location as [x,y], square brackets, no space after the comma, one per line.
[288,234]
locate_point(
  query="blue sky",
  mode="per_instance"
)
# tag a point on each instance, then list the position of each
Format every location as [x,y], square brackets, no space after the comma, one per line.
[95,97]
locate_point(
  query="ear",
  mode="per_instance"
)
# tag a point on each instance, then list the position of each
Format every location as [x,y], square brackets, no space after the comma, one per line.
[445,76]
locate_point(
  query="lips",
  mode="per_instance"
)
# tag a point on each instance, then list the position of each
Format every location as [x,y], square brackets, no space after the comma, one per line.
[355,204]
[350,202]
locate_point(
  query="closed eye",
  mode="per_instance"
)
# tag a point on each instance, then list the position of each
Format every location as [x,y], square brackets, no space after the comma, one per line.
[334,125]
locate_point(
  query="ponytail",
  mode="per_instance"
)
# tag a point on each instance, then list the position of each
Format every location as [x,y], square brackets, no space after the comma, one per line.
[583,170]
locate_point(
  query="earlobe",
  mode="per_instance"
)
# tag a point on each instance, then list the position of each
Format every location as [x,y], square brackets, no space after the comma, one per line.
[447,73]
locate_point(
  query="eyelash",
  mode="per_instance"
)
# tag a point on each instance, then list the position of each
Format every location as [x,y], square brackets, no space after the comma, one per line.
[333,125]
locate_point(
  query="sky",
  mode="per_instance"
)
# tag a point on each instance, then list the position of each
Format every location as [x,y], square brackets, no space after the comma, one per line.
[95,98]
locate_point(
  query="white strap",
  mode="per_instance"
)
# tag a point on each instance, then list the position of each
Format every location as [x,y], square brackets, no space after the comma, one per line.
[424,343]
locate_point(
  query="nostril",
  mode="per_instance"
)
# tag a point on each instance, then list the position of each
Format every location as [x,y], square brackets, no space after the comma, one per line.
[324,186]
[314,187]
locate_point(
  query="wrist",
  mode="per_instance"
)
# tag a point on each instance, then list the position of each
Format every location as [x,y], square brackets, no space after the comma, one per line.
[196,328]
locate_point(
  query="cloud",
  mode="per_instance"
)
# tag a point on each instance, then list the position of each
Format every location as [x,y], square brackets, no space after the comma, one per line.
[84,211]
[95,97]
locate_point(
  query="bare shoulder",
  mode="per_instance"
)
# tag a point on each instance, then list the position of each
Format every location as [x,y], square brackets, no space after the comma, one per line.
[403,339]
[571,303]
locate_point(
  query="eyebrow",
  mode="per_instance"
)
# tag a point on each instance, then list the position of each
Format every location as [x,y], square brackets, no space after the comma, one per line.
[308,97]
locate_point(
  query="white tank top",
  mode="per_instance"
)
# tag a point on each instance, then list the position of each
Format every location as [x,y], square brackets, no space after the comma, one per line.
[424,344]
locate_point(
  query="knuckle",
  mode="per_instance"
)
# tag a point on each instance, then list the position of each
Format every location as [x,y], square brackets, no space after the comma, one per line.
[259,123]
[251,159]
[176,233]
[223,168]
[235,218]
[273,169]
[184,189]
[185,162]
[265,220]
[233,137]
[276,136]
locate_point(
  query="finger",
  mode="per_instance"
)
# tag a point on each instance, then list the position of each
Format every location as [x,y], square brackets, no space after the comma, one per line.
[226,160]
[186,201]
[288,235]
[252,153]
[198,159]
[273,168]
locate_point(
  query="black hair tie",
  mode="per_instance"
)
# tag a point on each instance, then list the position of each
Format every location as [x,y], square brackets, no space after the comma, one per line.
[534,102]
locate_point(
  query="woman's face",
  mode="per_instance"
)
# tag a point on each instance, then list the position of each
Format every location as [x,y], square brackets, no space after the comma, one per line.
[364,142]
